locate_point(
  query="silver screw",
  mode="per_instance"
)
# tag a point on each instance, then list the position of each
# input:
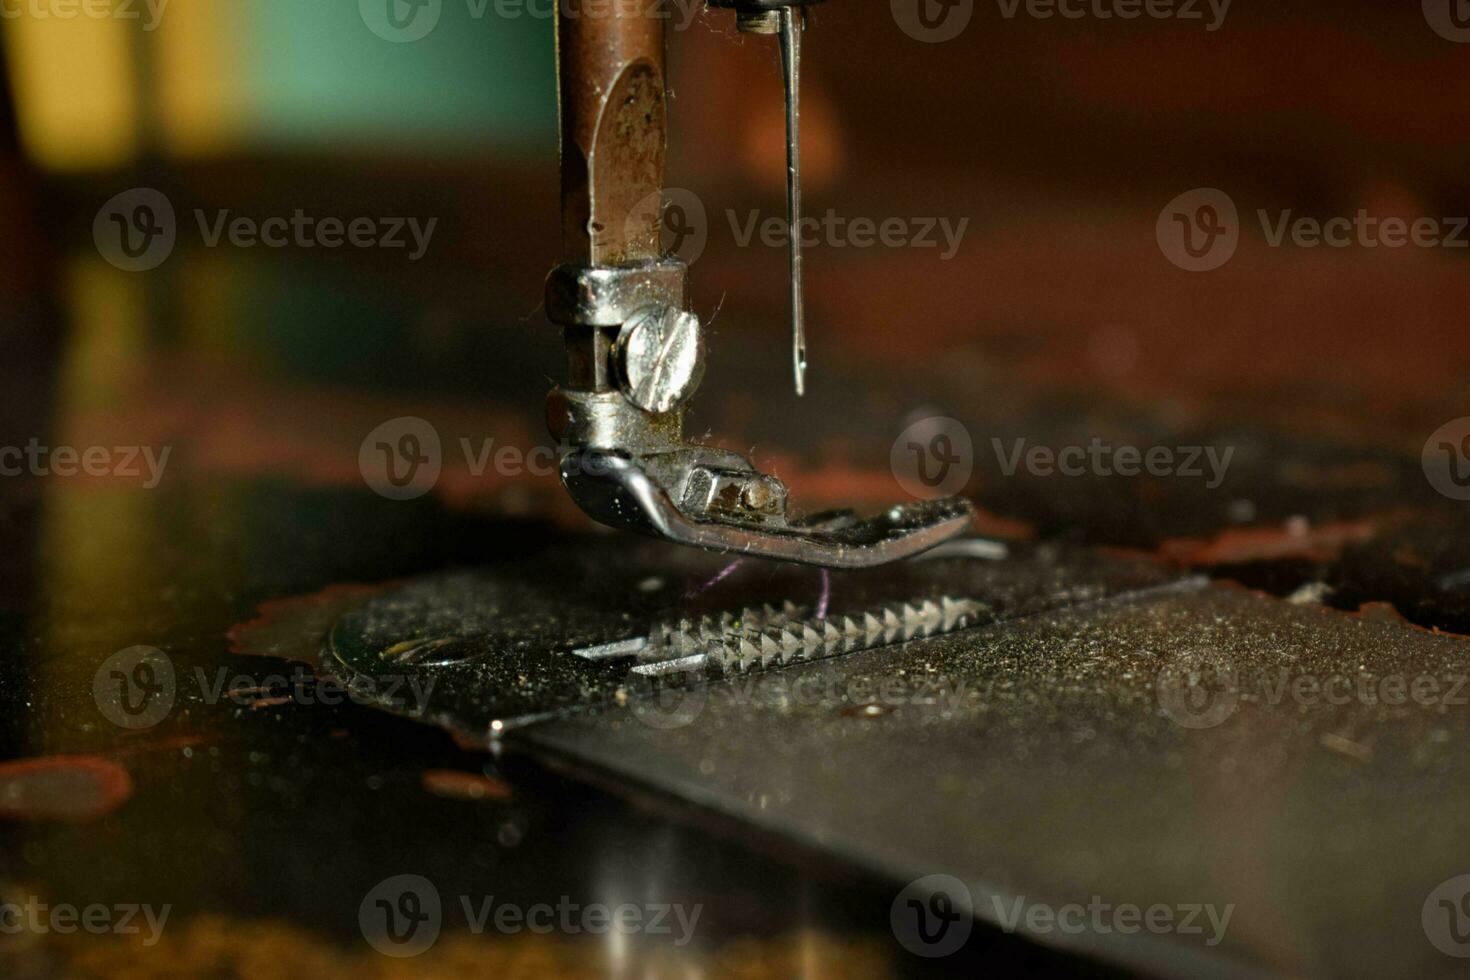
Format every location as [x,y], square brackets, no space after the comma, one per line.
[758,495]
[660,358]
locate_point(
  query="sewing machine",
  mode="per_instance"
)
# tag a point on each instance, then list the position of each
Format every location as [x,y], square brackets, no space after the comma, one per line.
[635,351]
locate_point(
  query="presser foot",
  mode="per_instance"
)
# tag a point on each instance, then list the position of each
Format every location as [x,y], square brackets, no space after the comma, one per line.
[636,354]
[717,501]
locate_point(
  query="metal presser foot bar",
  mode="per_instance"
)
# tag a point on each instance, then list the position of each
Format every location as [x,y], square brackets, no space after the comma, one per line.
[635,349]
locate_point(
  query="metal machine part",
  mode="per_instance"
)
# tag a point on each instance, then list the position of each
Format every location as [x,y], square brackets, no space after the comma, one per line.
[786,18]
[1116,753]
[598,622]
[659,358]
[1103,735]
[717,501]
[635,350]
[762,639]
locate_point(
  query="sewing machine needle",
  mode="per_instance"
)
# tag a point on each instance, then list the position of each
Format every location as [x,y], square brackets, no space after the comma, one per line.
[791,24]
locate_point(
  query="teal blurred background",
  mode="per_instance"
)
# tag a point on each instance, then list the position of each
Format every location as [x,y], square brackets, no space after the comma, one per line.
[474,83]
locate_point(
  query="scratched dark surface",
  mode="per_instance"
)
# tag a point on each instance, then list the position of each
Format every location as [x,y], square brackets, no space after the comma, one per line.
[268,824]
[271,822]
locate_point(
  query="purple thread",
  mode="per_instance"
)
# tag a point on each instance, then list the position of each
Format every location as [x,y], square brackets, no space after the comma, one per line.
[723,574]
[826,595]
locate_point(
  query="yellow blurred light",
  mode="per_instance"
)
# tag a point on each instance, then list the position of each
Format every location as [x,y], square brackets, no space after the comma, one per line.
[75,89]
[201,102]
[108,311]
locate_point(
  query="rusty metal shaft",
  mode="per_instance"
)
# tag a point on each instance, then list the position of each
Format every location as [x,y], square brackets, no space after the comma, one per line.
[610,64]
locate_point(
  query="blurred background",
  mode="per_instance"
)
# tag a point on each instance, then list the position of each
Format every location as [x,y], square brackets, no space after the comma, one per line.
[1053,143]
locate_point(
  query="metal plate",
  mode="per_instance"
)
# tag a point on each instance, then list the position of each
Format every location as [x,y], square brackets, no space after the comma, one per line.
[498,643]
[1061,759]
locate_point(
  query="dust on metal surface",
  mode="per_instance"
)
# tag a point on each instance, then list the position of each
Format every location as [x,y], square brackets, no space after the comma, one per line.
[501,643]
[1202,744]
